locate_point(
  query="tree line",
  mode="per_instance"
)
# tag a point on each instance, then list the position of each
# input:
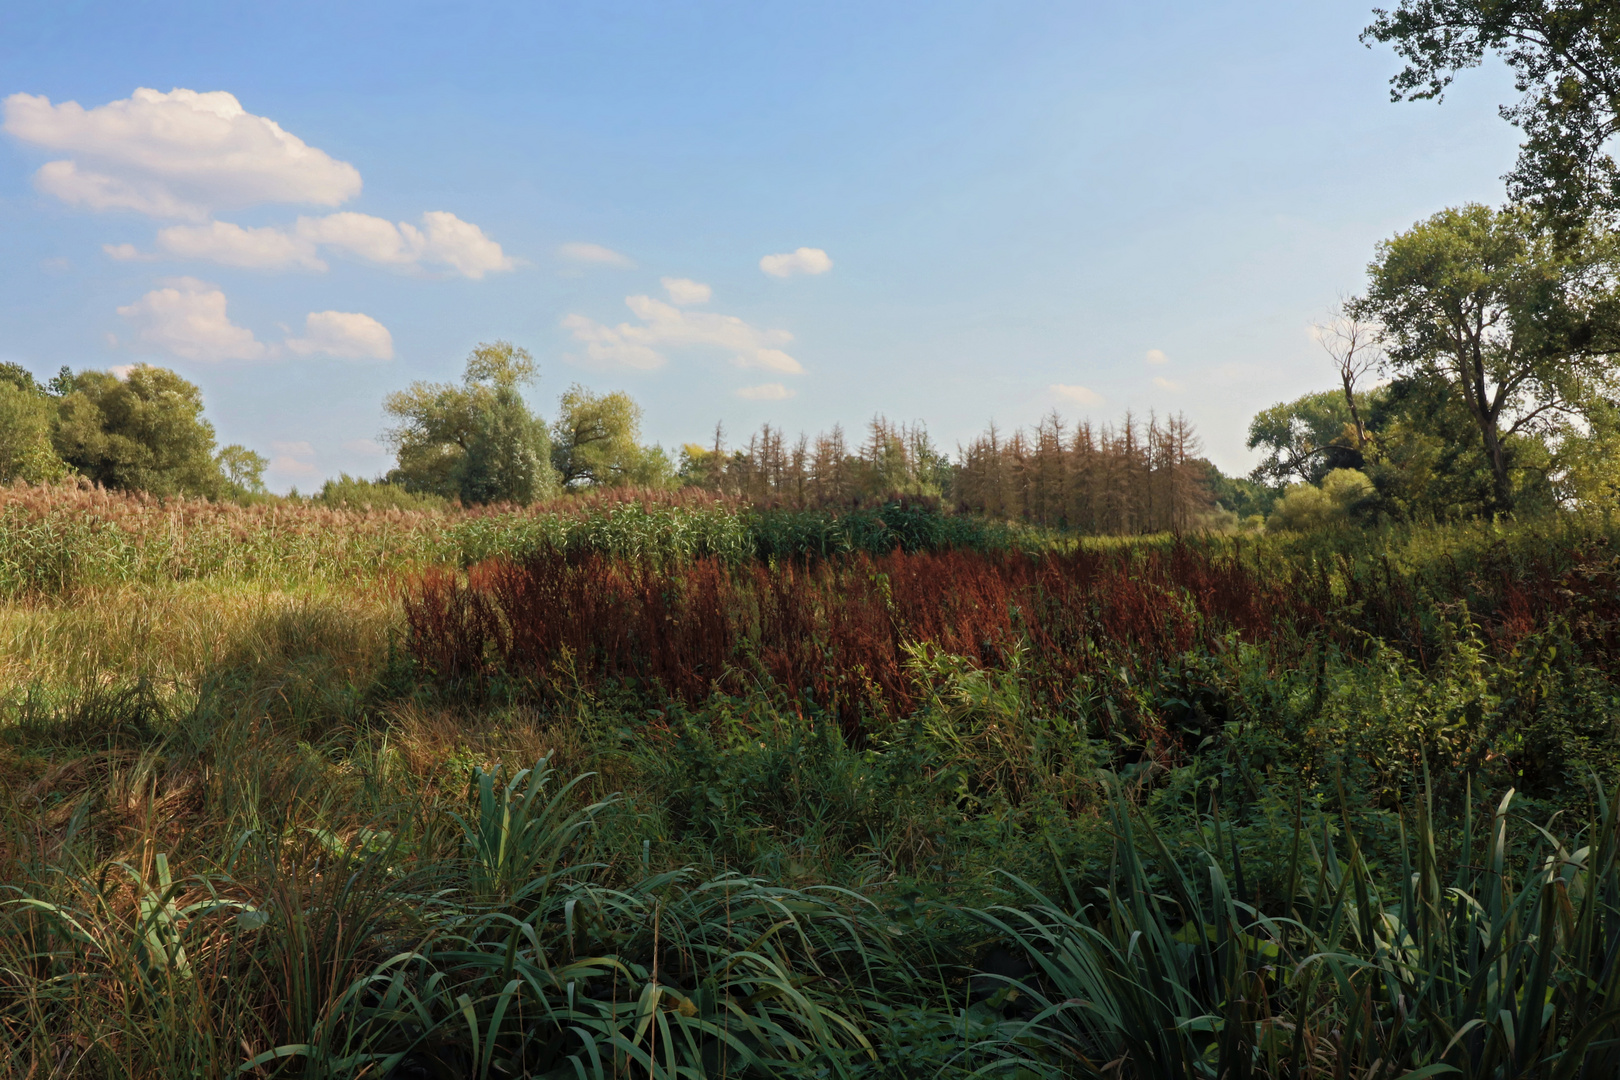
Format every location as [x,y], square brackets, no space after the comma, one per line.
[1474,373]
[143,432]
[477,441]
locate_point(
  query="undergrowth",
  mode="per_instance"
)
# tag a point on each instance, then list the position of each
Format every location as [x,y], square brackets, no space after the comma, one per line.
[1198,808]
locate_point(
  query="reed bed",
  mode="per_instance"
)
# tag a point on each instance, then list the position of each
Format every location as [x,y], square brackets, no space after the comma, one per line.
[58,540]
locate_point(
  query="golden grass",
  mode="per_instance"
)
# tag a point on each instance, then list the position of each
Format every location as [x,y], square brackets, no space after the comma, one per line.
[174,634]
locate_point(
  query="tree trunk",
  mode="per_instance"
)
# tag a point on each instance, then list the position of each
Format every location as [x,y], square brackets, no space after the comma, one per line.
[1355,413]
[1501,490]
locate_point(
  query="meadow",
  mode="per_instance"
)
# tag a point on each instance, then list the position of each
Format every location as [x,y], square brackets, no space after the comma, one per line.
[667,786]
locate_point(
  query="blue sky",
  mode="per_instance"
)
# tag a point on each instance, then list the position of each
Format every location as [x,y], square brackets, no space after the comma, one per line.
[987,211]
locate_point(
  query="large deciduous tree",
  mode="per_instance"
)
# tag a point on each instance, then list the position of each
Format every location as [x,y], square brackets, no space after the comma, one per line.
[143,432]
[1565,57]
[1307,438]
[596,442]
[477,442]
[26,415]
[1513,324]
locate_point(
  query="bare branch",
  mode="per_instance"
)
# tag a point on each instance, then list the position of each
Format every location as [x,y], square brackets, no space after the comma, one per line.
[1356,346]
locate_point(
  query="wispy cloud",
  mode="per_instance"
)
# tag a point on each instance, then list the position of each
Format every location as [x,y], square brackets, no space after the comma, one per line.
[773,391]
[442,240]
[594,255]
[663,325]
[686,291]
[293,460]
[805,260]
[1080,395]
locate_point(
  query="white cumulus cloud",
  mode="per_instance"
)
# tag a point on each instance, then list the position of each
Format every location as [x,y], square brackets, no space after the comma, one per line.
[459,244]
[805,260]
[187,318]
[609,348]
[631,345]
[686,291]
[773,391]
[442,240]
[1080,395]
[1166,384]
[1156,356]
[65,181]
[373,239]
[177,155]
[232,245]
[595,254]
[347,335]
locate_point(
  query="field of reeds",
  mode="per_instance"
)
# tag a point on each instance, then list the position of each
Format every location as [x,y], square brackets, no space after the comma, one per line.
[674,788]
[55,541]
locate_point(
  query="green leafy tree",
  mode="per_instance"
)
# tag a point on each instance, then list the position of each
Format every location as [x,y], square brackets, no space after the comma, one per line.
[1565,57]
[596,442]
[1512,323]
[477,442]
[145,432]
[1427,459]
[26,415]
[1586,468]
[242,470]
[507,457]
[1243,497]
[20,377]
[1305,439]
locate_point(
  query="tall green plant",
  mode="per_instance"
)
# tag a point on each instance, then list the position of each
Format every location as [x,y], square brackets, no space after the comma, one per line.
[1476,972]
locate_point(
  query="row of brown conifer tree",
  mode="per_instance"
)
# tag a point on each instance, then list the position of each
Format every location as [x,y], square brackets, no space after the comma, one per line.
[1137,476]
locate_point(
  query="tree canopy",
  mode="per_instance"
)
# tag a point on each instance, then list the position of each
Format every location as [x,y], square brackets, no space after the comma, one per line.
[1565,57]
[26,415]
[596,442]
[1514,324]
[1307,438]
[144,432]
[477,441]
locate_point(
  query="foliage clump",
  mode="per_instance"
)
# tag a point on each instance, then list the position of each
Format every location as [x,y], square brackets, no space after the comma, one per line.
[477,441]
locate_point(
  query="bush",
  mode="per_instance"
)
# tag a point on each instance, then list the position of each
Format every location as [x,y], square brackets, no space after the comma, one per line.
[352,493]
[1305,508]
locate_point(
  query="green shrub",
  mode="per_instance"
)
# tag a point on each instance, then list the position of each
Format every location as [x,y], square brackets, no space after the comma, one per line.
[353,493]
[1307,508]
